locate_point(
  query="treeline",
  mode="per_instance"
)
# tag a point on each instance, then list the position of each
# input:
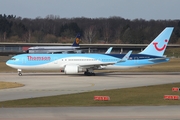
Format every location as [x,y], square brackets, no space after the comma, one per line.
[53,29]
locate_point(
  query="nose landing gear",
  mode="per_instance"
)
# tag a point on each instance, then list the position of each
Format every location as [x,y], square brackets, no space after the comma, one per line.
[19,72]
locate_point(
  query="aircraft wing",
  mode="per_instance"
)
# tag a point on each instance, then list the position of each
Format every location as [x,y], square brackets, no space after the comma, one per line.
[99,65]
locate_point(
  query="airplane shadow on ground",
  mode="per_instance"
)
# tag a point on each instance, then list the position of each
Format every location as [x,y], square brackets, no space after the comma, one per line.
[102,74]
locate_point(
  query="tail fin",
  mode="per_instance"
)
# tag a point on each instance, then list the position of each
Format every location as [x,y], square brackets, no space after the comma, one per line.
[77,40]
[159,44]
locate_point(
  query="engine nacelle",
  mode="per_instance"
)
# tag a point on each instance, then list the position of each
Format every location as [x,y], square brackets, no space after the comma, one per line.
[71,69]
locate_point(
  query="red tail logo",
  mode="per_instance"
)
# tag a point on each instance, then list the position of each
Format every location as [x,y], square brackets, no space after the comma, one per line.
[160,49]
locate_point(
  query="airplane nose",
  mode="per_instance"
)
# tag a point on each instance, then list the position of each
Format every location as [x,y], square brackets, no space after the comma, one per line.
[7,63]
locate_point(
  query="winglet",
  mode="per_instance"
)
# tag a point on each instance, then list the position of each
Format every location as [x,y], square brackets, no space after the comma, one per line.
[126,57]
[109,50]
[77,40]
[158,46]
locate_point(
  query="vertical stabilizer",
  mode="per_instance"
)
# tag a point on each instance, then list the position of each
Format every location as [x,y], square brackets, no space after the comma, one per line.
[77,40]
[158,46]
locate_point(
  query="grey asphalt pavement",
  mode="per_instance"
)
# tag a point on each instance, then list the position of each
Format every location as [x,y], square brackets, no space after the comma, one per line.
[48,84]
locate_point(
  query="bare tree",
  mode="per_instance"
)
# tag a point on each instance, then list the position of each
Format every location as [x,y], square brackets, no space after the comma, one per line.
[4,34]
[90,33]
[118,34]
[106,32]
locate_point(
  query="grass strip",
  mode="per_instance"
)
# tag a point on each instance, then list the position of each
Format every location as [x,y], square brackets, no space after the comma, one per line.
[6,85]
[138,96]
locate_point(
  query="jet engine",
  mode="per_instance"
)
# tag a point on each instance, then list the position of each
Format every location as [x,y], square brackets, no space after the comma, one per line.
[71,69]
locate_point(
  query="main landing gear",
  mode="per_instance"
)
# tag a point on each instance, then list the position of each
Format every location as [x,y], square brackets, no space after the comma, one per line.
[19,72]
[89,72]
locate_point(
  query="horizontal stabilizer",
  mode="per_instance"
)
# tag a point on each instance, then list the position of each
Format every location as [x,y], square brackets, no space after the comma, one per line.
[157,59]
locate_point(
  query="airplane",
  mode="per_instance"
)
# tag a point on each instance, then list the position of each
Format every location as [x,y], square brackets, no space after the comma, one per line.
[87,63]
[57,49]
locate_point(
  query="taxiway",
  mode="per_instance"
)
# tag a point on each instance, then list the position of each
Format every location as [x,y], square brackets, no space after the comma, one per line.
[48,84]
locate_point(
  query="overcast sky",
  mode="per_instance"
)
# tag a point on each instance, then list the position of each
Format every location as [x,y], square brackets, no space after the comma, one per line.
[128,9]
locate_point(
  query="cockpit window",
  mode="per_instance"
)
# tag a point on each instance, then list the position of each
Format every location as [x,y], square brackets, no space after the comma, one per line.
[13,59]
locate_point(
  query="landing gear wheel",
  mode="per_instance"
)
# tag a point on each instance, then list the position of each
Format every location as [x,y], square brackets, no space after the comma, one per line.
[89,73]
[85,73]
[93,74]
[20,74]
